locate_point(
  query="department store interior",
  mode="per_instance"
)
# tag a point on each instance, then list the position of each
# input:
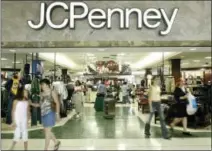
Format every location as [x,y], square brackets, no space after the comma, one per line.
[114,66]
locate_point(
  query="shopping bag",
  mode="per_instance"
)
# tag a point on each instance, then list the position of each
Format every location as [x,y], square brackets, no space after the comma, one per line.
[192,105]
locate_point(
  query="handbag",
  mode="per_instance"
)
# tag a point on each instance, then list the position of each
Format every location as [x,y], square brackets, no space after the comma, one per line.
[192,105]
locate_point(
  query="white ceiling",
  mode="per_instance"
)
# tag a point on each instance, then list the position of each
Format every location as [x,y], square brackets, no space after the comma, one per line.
[79,57]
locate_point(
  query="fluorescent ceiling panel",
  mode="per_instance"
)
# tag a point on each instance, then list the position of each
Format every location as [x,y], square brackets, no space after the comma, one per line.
[152,58]
[61,59]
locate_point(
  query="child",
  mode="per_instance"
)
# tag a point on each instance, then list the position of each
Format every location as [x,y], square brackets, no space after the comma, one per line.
[20,117]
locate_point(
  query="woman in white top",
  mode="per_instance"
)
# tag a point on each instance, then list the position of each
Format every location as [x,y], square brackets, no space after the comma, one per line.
[78,98]
[154,97]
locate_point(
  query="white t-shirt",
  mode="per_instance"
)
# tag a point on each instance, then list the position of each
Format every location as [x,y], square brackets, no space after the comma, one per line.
[125,89]
[154,94]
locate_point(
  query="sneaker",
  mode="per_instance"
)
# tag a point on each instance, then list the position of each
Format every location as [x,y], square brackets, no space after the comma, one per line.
[168,136]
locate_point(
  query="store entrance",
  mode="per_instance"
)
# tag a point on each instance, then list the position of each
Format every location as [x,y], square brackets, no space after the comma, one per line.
[104,73]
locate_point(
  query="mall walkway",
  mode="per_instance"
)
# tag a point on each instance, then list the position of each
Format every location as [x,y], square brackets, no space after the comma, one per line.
[92,131]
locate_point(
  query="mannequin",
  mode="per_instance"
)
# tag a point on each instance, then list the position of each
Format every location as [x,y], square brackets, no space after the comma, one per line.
[35,92]
[149,78]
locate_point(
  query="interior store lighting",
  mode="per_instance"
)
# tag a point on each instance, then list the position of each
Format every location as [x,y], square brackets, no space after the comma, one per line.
[184,63]
[152,58]
[101,50]
[3,59]
[17,62]
[8,66]
[121,54]
[61,59]
[196,60]
[193,49]
[209,57]
[90,54]
[205,65]
[12,50]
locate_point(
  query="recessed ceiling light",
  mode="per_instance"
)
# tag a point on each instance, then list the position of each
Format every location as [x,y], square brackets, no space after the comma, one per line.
[184,63]
[90,54]
[121,54]
[209,57]
[17,62]
[3,59]
[196,60]
[8,67]
[192,49]
[12,50]
[101,49]
[205,65]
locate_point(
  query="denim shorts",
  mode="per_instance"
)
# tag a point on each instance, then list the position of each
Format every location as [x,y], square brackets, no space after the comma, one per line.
[48,120]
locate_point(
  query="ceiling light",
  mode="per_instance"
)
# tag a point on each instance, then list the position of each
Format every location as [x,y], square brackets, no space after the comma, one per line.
[121,54]
[127,63]
[12,50]
[193,49]
[17,62]
[196,60]
[152,58]
[101,49]
[205,65]
[209,57]
[3,59]
[90,54]
[182,56]
[184,63]
[8,67]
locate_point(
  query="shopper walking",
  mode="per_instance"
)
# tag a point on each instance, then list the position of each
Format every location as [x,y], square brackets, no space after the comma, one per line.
[154,97]
[180,114]
[133,93]
[20,117]
[50,112]
[78,98]
[101,93]
[125,93]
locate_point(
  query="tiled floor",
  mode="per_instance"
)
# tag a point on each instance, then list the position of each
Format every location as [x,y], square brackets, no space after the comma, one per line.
[125,132]
[120,144]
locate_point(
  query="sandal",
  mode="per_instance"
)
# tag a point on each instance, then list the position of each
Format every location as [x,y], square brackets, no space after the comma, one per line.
[56,147]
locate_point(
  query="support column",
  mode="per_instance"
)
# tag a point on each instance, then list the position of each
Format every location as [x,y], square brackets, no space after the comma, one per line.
[176,69]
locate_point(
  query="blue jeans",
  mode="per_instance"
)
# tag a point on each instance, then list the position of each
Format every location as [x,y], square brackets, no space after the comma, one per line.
[9,109]
[156,106]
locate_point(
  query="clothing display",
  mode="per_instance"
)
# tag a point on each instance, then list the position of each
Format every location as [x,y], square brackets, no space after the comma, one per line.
[149,80]
[169,84]
[12,87]
[61,89]
[35,97]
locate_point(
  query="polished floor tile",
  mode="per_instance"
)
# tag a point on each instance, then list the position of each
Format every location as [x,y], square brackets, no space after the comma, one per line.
[119,144]
[128,124]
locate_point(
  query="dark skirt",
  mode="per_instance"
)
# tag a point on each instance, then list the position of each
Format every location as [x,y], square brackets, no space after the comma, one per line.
[178,110]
